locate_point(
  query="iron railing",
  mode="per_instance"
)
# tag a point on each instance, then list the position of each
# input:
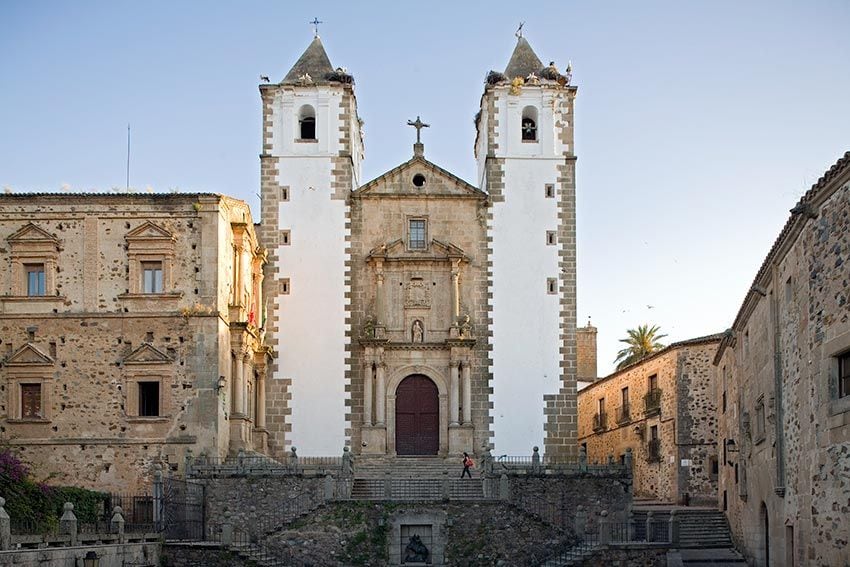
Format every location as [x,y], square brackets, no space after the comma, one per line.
[623,414]
[260,465]
[600,421]
[652,402]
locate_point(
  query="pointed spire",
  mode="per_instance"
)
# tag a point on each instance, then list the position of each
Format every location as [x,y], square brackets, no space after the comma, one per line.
[523,61]
[313,64]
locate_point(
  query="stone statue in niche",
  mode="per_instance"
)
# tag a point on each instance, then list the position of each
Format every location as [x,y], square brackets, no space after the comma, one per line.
[418,332]
[416,552]
[463,322]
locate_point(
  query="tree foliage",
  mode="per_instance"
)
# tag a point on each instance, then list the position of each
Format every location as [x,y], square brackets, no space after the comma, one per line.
[39,505]
[641,342]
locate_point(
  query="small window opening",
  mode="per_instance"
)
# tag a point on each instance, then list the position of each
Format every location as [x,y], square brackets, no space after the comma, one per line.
[35,279]
[148,399]
[151,277]
[284,193]
[550,191]
[31,401]
[284,237]
[844,375]
[551,237]
[419,180]
[529,124]
[307,123]
[551,286]
[284,286]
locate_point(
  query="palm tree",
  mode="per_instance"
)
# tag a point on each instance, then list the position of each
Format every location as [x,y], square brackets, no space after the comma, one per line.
[642,342]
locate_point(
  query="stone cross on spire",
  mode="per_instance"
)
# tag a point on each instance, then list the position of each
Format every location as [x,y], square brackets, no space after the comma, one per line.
[418,147]
[316,22]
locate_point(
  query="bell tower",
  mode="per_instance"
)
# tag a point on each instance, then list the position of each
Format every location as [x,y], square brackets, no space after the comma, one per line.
[309,165]
[526,163]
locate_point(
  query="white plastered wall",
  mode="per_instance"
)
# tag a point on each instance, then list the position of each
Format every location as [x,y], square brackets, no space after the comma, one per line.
[525,317]
[310,343]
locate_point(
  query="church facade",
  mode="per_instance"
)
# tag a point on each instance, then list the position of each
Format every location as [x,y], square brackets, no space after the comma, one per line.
[417,313]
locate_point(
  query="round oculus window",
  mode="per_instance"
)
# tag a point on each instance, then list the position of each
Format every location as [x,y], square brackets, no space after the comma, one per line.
[419,180]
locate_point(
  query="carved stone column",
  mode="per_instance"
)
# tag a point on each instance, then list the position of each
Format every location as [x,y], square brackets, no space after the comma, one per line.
[260,387]
[238,388]
[381,394]
[247,371]
[367,394]
[455,291]
[453,393]
[467,394]
[379,294]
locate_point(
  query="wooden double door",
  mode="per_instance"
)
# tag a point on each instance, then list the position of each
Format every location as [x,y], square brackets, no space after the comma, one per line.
[417,416]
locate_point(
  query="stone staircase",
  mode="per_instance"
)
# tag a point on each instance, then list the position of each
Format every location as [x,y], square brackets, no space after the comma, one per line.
[414,478]
[698,527]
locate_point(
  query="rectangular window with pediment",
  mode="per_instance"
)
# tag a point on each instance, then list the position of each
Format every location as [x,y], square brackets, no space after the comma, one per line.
[35,279]
[417,234]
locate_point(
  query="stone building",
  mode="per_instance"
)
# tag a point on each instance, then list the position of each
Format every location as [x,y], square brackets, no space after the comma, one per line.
[431,305]
[663,409]
[130,332]
[783,390]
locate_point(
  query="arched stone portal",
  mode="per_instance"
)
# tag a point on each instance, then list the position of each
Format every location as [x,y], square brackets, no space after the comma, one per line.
[417,416]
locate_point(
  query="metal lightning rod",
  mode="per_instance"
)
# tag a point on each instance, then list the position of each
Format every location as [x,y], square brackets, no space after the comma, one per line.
[128,156]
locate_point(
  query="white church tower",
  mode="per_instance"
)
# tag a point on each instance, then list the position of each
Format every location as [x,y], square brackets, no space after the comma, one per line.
[310,163]
[526,163]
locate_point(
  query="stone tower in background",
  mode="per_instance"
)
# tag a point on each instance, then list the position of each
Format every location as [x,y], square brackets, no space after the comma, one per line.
[586,346]
[310,163]
[526,163]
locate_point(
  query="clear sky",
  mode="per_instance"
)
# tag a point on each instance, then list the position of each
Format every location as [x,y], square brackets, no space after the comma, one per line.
[698,124]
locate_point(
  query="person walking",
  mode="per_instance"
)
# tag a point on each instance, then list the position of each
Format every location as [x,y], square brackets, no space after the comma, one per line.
[468,463]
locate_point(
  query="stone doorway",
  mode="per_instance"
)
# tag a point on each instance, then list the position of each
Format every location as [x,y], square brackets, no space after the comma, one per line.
[417,416]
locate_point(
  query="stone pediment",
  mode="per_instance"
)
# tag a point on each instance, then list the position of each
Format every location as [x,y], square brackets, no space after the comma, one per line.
[29,355]
[435,182]
[147,354]
[149,231]
[437,251]
[32,233]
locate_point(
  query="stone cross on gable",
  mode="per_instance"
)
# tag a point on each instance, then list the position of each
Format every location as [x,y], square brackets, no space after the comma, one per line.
[418,125]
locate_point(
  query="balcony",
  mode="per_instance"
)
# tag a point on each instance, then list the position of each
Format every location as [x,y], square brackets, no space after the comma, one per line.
[623,414]
[652,402]
[600,421]
[653,451]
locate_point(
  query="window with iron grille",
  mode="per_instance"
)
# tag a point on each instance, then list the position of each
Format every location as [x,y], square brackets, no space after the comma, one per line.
[31,401]
[416,234]
[844,375]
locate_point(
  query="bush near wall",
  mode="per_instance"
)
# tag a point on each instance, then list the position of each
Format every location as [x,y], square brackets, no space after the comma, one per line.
[39,505]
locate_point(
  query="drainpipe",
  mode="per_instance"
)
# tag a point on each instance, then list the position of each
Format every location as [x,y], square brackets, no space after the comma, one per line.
[779,420]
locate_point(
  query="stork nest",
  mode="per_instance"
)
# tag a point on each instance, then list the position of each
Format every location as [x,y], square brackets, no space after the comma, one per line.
[340,76]
[550,73]
[494,78]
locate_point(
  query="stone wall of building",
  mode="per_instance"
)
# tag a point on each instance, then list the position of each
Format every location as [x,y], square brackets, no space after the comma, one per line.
[246,499]
[102,377]
[784,428]
[197,554]
[684,421]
